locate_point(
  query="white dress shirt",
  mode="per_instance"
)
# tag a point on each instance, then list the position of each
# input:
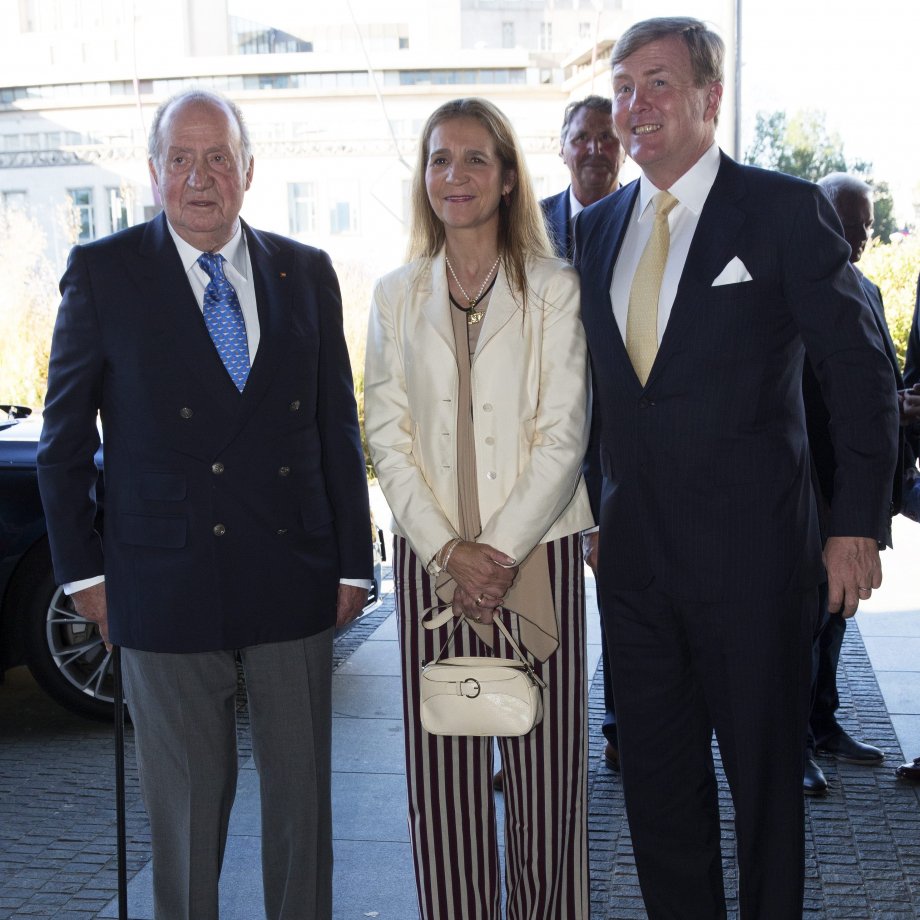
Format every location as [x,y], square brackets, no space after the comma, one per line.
[691,190]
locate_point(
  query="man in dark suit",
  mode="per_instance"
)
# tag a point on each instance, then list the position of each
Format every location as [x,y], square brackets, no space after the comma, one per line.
[698,312]
[236,508]
[910,408]
[852,200]
[589,147]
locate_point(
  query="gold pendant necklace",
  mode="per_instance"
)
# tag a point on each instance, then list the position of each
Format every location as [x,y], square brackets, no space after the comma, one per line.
[473,316]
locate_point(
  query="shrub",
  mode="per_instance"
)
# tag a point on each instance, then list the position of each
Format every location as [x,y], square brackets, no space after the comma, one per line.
[894,267]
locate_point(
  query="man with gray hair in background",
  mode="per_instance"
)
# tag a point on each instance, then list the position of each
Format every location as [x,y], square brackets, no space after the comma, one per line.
[852,200]
[236,506]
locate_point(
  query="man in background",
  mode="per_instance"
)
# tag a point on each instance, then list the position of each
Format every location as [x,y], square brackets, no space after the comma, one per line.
[589,147]
[852,200]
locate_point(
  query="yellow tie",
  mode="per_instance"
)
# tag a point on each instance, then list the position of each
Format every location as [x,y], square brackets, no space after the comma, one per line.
[642,319]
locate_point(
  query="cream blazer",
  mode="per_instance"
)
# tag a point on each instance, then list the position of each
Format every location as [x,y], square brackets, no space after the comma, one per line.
[530,396]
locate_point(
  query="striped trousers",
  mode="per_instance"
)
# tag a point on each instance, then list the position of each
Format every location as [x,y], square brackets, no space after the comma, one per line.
[452,816]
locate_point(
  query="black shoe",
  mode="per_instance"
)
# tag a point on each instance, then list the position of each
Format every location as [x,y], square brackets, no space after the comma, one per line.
[498,780]
[909,771]
[612,757]
[849,750]
[815,782]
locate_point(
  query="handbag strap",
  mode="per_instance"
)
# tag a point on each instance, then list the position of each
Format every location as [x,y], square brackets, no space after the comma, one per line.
[436,619]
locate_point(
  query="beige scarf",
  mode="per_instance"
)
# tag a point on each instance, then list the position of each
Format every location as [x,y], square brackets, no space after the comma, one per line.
[531,595]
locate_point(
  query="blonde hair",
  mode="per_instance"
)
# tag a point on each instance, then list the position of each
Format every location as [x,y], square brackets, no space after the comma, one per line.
[521,229]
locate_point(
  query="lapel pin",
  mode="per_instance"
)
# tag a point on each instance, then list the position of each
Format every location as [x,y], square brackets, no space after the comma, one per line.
[283,275]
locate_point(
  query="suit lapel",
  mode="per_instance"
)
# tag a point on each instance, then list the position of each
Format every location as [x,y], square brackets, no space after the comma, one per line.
[165,289]
[502,306]
[713,246]
[603,249]
[434,296]
[273,279]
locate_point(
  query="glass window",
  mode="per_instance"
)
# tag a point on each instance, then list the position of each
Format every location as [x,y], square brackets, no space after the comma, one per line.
[81,201]
[507,35]
[301,207]
[15,199]
[343,208]
[118,208]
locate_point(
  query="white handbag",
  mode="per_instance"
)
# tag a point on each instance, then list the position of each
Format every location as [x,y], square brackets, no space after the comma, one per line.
[480,695]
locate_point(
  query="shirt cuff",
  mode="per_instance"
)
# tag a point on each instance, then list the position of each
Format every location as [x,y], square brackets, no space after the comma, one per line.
[71,587]
[365,583]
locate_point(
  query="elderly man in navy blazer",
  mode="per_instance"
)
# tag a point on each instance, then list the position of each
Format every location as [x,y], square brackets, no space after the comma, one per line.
[704,284]
[236,507]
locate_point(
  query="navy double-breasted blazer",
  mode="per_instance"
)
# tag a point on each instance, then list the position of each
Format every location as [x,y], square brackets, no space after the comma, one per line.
[702,476]
[229,517]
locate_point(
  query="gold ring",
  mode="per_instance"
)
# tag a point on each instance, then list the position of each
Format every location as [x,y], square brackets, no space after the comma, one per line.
[479,600]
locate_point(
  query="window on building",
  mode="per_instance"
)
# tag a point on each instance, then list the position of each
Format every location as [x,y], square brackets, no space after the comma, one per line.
[301,207]
[81,201]
[118,208]
[584,30]
[343,208]
[507,35]
[250,37]
[15,199]
[546,36]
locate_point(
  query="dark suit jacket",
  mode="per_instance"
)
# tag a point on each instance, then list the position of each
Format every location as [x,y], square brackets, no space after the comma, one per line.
[817,418]
[557,212]
[706,483]
[229,518]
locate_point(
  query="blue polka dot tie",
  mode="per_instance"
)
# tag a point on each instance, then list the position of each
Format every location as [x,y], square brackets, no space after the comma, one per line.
[224,319]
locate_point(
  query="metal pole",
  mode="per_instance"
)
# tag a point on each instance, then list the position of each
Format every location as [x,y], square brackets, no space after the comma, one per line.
[121,846]
[737,138]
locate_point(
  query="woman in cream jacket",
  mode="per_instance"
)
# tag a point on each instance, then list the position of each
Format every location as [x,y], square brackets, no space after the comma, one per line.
[476,416]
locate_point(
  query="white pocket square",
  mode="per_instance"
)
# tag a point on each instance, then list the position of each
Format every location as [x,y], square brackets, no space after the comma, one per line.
[733,273]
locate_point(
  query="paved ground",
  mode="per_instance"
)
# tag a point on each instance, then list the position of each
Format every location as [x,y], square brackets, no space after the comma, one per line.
[57,817]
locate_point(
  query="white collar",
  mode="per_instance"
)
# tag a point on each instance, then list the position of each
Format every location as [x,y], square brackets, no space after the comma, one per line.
[234,251]
[692,188]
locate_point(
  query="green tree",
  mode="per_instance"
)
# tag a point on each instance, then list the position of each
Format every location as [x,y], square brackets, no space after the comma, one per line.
[883,203]
[894,268]
[799,146]
[28,299]
[802,146]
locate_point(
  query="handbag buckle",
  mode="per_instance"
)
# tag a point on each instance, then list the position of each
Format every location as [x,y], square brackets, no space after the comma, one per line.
[474,690]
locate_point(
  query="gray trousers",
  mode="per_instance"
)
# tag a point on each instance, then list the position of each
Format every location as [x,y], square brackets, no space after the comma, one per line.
[184,714]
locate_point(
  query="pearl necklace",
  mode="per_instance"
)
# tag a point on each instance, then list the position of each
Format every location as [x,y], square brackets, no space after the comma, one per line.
[474,316]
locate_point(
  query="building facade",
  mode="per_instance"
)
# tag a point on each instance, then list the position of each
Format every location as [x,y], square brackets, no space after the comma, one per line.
[334,94]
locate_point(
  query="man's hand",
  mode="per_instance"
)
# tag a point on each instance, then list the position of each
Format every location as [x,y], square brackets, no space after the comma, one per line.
[350,603]
[589,546]
[90,604]
[909,405]
[483,572]
[853,570]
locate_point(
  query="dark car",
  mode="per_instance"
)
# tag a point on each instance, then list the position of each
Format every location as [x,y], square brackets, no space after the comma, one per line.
[38,624]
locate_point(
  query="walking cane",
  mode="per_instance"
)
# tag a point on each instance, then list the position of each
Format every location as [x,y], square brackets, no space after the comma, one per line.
[121,846]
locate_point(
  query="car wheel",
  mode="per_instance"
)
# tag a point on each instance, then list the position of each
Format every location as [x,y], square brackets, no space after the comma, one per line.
[64,652]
